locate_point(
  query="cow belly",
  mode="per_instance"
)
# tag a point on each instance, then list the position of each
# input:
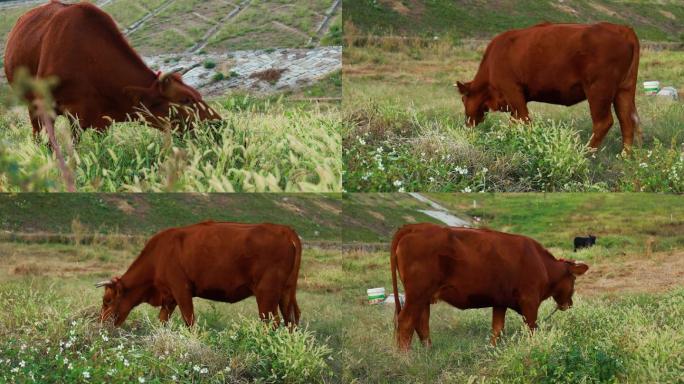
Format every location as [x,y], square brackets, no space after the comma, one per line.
[470,299]
[225,295]
[568,96]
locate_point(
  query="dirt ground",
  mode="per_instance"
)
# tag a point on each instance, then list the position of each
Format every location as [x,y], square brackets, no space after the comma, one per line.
[661,272]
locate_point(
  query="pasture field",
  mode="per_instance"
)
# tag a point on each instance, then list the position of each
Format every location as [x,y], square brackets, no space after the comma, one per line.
[263,144]
[625,326]
[405,127]
[49,330]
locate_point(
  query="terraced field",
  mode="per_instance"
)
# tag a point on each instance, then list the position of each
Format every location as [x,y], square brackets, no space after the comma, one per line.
[165,26]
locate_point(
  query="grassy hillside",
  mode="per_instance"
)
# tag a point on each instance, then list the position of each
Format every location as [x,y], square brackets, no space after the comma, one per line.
[178,24]
[653,20]
[625,223]
[373,217]
[314,216]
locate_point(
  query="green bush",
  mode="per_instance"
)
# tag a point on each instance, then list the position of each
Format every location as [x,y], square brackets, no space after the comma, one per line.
[600,343]
[659,169]
[208,64]
[47,338]
[278,355]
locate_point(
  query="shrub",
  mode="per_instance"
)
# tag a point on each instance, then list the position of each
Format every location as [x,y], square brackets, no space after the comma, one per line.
[279,355]
[208,64]
[659,169]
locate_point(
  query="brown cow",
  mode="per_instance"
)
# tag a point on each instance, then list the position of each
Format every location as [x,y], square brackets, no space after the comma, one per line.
[559,64]
[100,77]
[213,260]
[474,268]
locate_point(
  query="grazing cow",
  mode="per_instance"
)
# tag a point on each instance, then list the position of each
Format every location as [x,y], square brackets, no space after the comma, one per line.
[213,260]
[474,268]
[584,242]
[559,64]
[100,78]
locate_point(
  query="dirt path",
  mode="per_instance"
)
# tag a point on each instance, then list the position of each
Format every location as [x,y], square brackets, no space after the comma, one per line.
[634,274]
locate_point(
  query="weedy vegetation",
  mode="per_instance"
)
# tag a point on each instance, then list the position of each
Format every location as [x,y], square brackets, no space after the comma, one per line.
[405,128]
[261,145]
[49,331]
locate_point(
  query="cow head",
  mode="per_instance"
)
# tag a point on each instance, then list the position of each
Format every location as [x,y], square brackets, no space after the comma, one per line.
[565,286]
[474,101]
[592,239]
[116,301]
[170,97]
[478,100]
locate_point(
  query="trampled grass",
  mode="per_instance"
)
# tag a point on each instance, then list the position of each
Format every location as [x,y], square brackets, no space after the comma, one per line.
[48,331]
[406,129]
[261,145]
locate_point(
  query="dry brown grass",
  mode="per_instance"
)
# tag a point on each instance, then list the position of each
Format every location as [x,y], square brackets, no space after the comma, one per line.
[271,75]
[660,272]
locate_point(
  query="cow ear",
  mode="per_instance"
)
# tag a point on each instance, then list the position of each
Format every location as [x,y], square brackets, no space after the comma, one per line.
[578,269]
[137,95]
[463,88]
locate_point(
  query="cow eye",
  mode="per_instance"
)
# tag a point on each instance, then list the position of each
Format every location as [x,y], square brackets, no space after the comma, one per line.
[187,101]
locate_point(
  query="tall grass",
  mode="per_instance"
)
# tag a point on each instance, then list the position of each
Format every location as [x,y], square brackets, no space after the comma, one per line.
[257,147]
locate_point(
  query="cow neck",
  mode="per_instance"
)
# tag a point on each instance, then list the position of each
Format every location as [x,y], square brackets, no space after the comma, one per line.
[139,276]
[130,69]
[555,271]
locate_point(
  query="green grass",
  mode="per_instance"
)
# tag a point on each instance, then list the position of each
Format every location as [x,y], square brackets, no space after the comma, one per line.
[405,130]
[659,21]
[47,319]
[260,145]
[623,222]
[260,25]
[313,216]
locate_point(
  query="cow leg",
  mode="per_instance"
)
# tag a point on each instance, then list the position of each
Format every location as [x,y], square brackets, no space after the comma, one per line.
[423,327]
[516,100]
[184,300]
[529,309]
[601,116]
[166,311]
[407,321]
[268,301]
[498,320]
[35,123]
[289,308]
[627,116]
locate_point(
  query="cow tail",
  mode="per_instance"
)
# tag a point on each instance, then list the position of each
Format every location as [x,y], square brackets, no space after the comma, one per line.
[393,267]
[630,81]
[293,309]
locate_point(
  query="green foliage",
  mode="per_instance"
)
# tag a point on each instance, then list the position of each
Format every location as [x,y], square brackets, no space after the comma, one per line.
[269,148]
[218,76]
[601,343]
[208,64]
[278,355]
[335,34]
[64,345]
[657,169]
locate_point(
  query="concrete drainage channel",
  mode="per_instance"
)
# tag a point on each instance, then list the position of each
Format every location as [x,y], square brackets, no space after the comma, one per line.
[439,212]
[214,74]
